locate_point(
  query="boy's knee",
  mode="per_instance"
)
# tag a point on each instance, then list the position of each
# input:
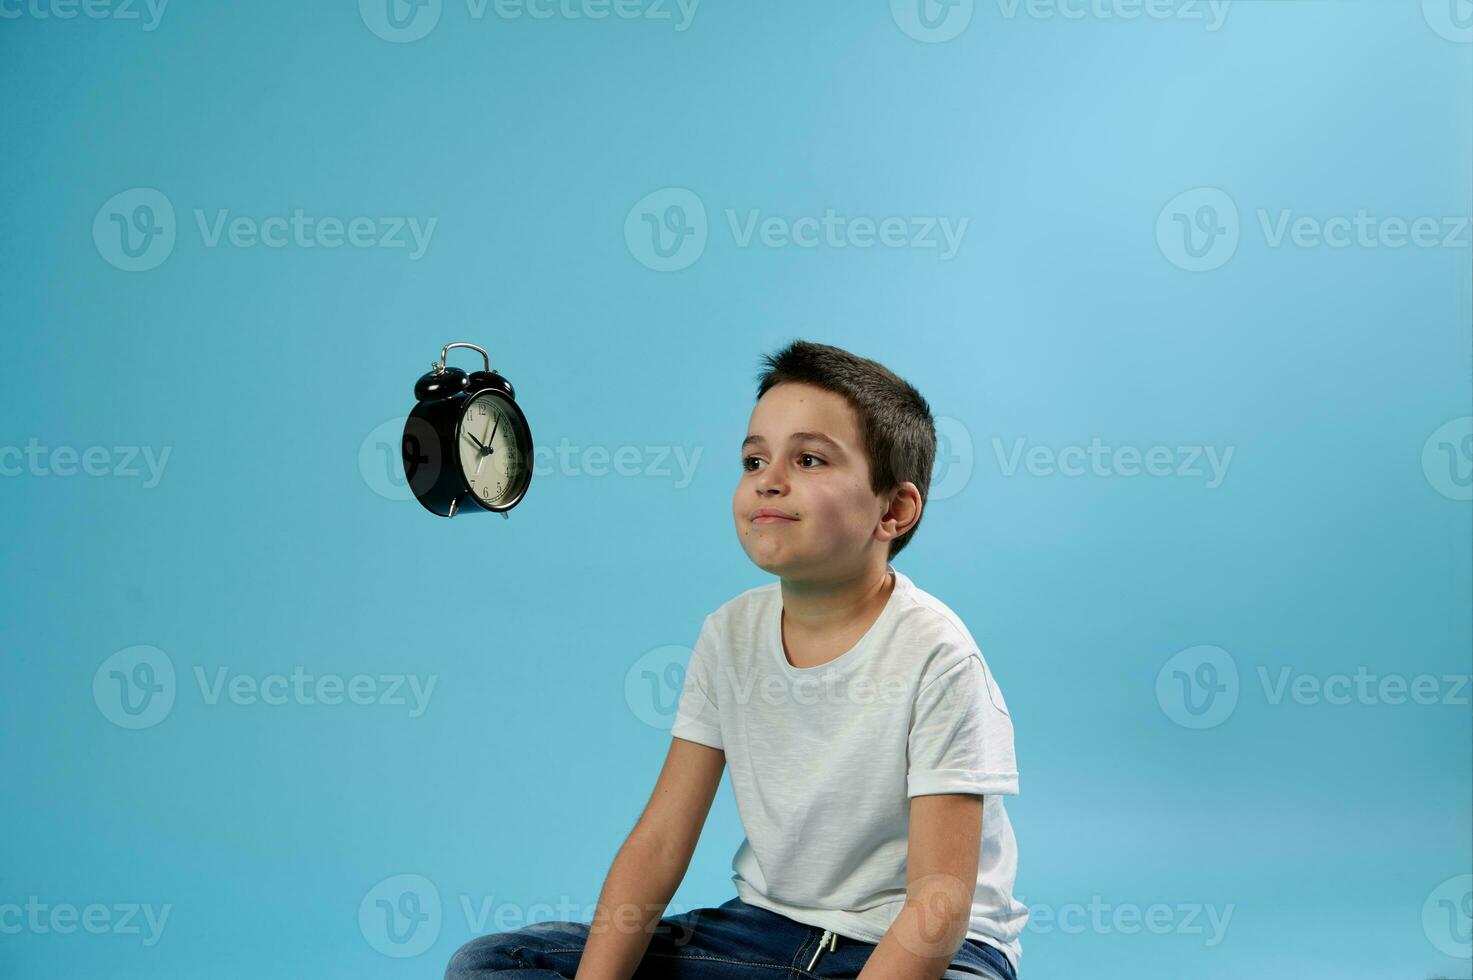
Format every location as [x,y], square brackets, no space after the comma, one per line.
[520,949]
[482,956]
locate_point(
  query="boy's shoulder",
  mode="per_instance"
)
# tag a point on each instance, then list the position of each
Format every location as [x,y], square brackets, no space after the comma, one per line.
[936,627]
[938,616]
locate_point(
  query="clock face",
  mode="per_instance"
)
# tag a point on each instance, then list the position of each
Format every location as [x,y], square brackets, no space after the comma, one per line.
[490,452]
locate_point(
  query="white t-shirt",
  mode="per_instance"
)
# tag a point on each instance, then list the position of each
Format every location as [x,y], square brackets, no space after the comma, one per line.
[824,760]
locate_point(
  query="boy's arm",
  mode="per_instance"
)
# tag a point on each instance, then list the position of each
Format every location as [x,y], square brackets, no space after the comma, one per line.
[940,882]
[651,863]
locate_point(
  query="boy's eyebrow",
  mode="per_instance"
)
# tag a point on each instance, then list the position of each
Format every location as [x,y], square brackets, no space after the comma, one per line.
[817,437]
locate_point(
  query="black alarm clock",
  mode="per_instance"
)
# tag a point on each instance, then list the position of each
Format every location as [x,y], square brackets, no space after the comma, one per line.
[467,445]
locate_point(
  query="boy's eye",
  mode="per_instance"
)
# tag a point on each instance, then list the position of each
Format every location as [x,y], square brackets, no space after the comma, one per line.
[747,461]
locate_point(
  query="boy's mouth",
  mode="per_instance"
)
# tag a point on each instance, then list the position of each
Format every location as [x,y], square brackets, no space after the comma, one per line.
[769,515]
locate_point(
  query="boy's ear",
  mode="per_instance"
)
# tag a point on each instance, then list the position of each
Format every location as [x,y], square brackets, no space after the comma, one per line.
[904,510]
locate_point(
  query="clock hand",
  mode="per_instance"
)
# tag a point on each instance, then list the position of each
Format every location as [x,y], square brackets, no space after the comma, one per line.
[492,434]
[474,442]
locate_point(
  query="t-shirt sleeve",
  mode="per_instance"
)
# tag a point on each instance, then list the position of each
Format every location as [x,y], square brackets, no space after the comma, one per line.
[961,736]
[697,718]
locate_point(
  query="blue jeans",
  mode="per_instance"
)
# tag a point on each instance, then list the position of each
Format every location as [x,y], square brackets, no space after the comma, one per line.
[734,940]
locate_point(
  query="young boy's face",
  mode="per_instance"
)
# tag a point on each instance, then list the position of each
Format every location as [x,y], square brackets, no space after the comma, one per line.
[823,487]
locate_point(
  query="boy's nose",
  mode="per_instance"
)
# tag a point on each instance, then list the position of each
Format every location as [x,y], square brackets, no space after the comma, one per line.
[772,479]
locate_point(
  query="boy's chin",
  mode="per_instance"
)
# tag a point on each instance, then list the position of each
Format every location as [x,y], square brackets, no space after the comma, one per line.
[769,563]
[771,568]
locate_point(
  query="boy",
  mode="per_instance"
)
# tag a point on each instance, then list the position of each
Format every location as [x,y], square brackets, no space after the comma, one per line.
[868,743]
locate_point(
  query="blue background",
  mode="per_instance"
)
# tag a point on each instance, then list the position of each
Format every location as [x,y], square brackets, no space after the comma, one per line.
[278,536]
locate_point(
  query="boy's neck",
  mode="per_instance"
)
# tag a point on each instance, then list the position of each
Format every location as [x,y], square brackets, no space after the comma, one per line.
[819,609]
